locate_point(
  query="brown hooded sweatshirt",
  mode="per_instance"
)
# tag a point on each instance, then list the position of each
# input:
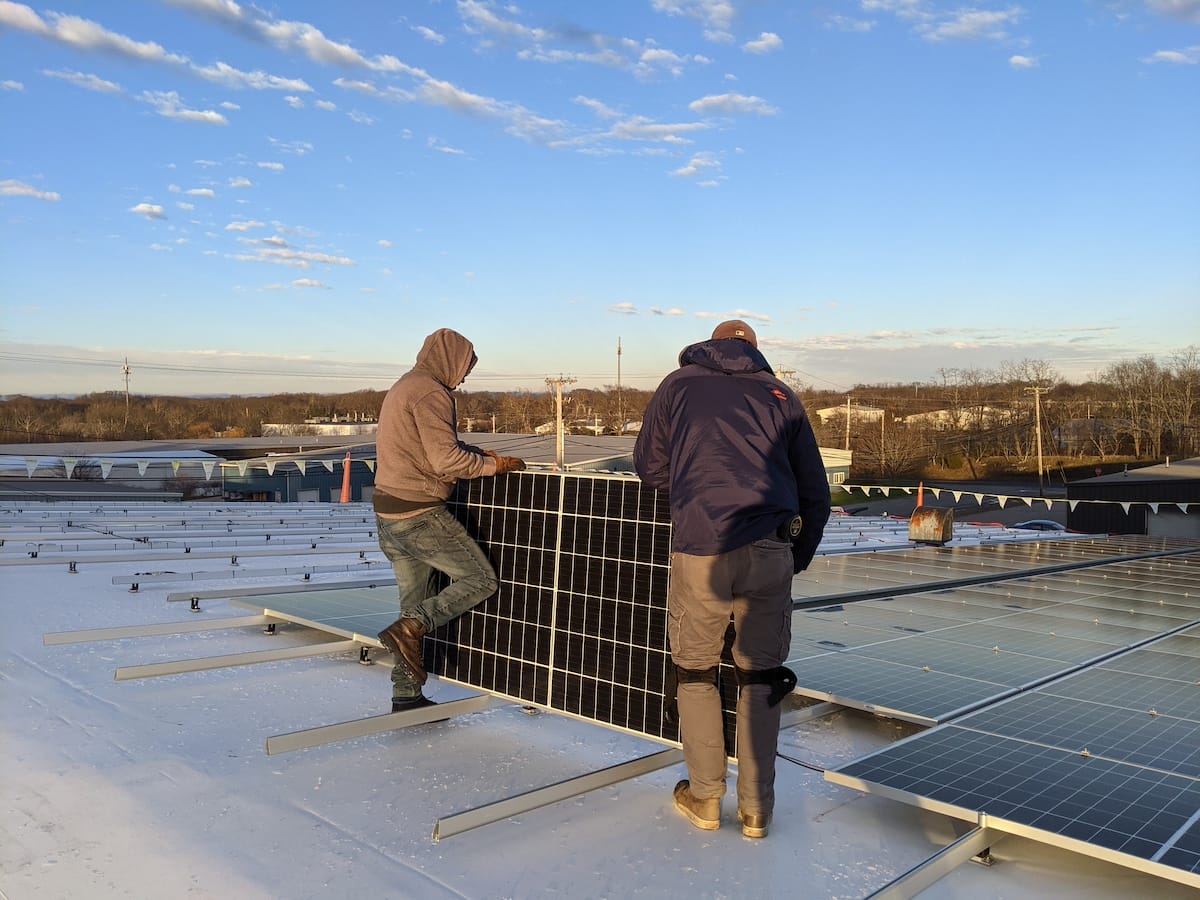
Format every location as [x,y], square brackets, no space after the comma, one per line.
[419,456]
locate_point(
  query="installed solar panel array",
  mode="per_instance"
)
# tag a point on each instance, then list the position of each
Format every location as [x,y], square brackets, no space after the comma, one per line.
[1104,760]
[931,656]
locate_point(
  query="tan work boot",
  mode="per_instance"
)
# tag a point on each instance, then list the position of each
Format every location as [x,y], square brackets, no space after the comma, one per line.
[403,640]
[754,825]
[705,814]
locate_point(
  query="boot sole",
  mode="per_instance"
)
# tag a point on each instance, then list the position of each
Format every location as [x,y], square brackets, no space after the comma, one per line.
[702,824]
[752,831]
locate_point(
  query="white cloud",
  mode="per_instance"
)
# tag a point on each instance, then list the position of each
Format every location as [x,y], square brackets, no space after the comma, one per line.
[624,309]
[845,23]
[293,101]
[10,85]
[1023,62]
[674,311]
[296,148]
[327,105]
[168,104]
[308,283]
[185,206]
[384,242]
[1189,56]
[429,34]
[227,76]
[599,107]
[736,314]
[12,188]
[83,34]
[272,166]
[240,182]
[201,192]
[715,15]
[287,256]
[244,226]
[972,24]
[149,210]
[87,82]
[697,165]
[1186,10]
[732,103]
[360,118]
[767,42]
[640,128]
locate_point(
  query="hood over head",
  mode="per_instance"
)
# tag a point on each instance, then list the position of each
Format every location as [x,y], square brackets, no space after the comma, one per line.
[736,357]
[447,356]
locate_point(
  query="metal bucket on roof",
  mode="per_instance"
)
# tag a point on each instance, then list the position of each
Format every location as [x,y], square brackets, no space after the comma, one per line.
[931,525]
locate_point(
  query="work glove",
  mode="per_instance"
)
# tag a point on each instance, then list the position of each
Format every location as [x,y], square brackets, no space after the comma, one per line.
[508,464]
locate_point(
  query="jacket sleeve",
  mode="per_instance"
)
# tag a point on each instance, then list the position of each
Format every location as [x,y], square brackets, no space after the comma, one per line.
[448,457]
[812,492]
[652,450]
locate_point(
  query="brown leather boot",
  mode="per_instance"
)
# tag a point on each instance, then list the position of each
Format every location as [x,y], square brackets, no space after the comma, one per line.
[403,640]
[705,814]
[754,825]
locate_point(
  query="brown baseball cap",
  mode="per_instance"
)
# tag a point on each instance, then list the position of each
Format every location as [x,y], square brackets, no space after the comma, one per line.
[735,328]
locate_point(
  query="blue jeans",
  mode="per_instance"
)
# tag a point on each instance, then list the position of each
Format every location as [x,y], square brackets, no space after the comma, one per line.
[419,548]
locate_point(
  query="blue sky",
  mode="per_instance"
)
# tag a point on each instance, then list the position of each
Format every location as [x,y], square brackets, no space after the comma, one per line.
[242,199]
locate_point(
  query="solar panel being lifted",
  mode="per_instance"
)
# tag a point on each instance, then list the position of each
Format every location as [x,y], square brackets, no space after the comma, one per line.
[578,624]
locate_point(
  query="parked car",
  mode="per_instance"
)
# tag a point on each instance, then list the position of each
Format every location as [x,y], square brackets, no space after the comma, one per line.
[1040,525]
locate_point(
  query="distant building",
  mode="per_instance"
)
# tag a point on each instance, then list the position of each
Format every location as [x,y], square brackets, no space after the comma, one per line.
[857,413]
[353,424]
[1138,501]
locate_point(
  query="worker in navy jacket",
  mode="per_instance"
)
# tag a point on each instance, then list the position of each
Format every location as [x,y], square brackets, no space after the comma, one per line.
[733,447]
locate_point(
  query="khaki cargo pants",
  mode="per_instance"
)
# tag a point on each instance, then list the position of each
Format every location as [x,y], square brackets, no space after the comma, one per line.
[753,584]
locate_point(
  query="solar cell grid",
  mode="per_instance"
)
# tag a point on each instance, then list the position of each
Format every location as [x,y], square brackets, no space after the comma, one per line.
[987,634]
[1114,805]
[905,691]
[1134,691]
[1012,670]
[1068,622]
[1173,666]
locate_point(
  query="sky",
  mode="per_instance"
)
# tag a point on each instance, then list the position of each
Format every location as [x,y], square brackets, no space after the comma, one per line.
[232,198]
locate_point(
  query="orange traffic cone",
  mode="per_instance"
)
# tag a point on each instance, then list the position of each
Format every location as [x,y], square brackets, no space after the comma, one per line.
[920,494]
[346,479]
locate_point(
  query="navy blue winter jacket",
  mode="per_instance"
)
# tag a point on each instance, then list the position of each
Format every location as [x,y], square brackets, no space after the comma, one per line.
[733,447]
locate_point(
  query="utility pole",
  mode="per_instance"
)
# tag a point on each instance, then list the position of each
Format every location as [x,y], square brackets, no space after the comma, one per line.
[126,371]
[882,418]
[1037,392]
[560,448]
[620,406]
[847,422]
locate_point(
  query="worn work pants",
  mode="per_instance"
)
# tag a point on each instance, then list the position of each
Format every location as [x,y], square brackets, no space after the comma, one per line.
[418,548]
[753,584]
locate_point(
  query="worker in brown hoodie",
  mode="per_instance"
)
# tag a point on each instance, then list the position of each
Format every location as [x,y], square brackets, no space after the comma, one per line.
[419,460]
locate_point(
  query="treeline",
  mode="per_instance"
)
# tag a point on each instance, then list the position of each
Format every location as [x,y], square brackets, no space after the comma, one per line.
[1139,409]
[111,416]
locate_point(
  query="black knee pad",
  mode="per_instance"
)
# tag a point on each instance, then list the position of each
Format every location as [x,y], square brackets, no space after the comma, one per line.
[781,679]
[677,675]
